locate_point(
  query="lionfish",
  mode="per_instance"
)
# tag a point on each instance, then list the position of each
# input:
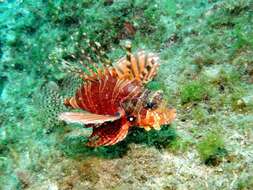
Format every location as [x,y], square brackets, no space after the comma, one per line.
[113,99]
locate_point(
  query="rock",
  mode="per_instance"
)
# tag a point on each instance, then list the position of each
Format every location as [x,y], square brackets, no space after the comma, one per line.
[245,101]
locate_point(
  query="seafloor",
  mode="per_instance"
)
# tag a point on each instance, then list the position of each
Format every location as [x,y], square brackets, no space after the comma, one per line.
[206,50]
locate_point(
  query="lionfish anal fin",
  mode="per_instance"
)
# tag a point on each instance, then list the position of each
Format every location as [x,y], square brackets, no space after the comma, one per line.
[108,134]
[86,118]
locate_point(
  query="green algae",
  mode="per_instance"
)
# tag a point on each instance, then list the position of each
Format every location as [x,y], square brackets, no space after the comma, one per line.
[212,149]
[200,114]
[245,183]
[180,144]
[74,147]
[194,91]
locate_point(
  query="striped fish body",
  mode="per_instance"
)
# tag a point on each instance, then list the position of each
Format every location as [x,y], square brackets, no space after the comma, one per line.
[104,96]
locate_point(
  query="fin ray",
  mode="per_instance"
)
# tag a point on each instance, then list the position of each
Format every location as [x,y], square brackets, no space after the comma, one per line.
[108,134]
[141,66]
[86,118]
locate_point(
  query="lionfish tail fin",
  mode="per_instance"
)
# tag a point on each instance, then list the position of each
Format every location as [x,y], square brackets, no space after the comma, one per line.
[48,101]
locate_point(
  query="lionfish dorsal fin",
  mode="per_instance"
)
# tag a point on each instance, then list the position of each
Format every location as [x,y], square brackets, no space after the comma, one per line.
[88,61]
[141,66]
[86,118]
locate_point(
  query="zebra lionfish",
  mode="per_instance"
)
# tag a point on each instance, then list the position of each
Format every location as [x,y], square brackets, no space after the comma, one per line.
[113,99]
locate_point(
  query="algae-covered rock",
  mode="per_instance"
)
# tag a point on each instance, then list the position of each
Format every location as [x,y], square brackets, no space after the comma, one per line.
[246,101]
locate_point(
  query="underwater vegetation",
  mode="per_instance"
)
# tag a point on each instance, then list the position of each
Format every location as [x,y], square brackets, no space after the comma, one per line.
[194,91]
[205,73]
[212,149]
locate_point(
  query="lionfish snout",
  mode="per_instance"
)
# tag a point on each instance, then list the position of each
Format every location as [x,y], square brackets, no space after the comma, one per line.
[156,118]
[149,111]
[170,115]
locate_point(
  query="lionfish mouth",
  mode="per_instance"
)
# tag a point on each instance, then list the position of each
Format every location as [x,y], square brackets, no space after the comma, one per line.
[157,119]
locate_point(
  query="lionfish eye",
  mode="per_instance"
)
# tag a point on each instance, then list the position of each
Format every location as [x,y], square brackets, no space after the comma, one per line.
[131,118]
[151,105]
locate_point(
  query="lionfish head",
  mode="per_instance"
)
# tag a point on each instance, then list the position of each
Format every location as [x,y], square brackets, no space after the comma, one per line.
[149,111]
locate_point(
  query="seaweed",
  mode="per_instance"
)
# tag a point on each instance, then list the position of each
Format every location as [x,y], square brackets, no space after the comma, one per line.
[194,91]
[212,149]
[245,183]
[75,146]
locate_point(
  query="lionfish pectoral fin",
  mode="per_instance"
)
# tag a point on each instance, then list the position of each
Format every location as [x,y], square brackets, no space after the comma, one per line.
[108,134]
[86,118]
